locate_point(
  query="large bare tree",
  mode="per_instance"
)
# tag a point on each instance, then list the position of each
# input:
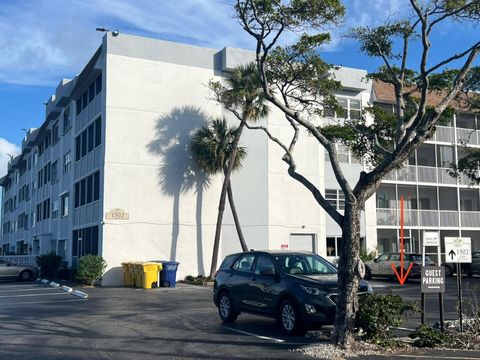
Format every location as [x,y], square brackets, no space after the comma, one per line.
[300,84]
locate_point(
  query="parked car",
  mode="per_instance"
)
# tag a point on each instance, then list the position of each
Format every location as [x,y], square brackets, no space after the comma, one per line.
[298,288]
[469,269]
[10,271]
[381,265]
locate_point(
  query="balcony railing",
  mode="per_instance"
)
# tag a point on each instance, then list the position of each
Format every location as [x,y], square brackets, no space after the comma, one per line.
[470,218]
[467,136]
[444,134]
[425,174]
[427,218]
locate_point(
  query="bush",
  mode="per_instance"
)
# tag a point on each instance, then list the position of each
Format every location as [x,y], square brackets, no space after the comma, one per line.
[90,269]
[378,314]
[189,278]
[425,336]
[49,264]
[367,256]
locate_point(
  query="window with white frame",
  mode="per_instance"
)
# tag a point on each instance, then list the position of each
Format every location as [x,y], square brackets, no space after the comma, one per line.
[351,109]
[67,162]
[64,204]
[345,155]
[55,209]
[335,198]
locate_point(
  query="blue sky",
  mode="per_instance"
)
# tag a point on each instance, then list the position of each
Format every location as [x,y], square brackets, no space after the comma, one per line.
[44,41]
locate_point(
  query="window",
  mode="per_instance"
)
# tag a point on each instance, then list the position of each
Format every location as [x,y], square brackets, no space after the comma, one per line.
[335,198]
[92,91]
[85,241]
[264,263]
[78,106]
[445,156]
[55,136]
[469,200]
[67,162]
[67,122]
[64,204]
[244,263]
[465,121]
[84,100]
[35,158]
[345,156]
[88,139]
[87,190]
[55,209]
[98,84]
[333,244]
[54,171]
[43,210]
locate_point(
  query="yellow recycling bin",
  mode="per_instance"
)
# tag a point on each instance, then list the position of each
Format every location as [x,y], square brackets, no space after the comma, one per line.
[127,274]
[137,274]
[150,274]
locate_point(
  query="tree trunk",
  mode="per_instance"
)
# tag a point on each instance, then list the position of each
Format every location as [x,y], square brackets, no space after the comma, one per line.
[221,203]
[218,229]
[243,244]
[348,279]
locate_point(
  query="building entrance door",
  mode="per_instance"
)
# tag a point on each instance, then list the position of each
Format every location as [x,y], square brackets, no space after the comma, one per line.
[305,242]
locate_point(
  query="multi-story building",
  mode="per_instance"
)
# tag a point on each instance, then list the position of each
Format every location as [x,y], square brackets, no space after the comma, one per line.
[109,172]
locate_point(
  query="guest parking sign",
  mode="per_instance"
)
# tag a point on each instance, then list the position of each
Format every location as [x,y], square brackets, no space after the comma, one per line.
[433,279]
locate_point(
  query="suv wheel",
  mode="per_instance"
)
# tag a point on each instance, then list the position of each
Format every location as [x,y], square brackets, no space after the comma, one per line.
[289,319]
[26,275]
[225,308]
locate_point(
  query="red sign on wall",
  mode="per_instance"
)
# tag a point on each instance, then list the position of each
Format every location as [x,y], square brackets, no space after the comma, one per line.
[284,246]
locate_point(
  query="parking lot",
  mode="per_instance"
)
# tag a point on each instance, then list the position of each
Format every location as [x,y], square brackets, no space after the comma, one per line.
[40,322]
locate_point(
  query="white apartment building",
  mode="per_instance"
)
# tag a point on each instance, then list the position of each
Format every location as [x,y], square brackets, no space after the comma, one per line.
[109,171]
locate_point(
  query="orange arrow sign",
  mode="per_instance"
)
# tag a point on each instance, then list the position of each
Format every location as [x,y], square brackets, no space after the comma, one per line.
[401,277]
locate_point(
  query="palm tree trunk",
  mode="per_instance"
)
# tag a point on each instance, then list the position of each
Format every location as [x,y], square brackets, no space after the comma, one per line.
[243,244]
[221,203]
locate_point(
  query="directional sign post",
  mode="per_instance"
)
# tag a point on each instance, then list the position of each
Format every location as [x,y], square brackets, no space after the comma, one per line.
[433,277]
[458,250]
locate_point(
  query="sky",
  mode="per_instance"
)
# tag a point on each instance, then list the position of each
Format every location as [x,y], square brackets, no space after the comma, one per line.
[42,42]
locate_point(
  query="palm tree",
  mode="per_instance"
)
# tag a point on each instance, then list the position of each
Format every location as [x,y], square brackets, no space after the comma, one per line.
[242,93]
[214,148]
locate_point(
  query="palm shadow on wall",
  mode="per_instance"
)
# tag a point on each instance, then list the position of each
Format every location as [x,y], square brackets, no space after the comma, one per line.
[178,172]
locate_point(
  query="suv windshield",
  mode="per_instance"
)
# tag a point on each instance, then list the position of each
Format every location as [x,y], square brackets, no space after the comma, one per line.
[304,264]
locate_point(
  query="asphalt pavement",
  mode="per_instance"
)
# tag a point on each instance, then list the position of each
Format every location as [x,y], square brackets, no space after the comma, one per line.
[39,322]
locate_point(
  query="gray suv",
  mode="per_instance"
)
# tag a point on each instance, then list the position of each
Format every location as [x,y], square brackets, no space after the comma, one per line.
[381,265]
[9,271]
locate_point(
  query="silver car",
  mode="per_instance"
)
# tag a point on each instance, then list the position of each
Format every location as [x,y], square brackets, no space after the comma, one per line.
[9,271]
[382,265]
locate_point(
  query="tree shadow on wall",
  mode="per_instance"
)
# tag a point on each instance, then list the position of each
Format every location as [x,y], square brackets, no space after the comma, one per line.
[178,172]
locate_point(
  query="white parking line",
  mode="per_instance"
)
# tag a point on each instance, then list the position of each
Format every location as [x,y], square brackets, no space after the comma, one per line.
[255,335]
[25,295]
[23,286]
[41,302]
[437,357]
[34,289]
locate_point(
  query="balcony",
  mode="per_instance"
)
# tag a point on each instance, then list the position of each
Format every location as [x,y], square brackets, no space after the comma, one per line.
[467,136]
[470,219]
[444,134]
[425,218]
[421,174]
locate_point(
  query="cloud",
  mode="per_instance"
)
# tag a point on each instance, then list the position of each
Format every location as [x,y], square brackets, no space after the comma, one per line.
[42,42]
[6,149]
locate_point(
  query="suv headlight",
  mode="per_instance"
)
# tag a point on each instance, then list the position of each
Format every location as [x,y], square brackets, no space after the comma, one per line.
[369,289]
[311,290]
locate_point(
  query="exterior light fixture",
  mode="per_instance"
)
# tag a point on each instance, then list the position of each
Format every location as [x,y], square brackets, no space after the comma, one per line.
[114,32]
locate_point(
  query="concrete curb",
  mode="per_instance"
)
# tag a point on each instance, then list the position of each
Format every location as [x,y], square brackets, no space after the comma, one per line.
[67,289]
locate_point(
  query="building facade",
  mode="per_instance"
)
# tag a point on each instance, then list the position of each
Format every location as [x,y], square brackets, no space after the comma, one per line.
[109,171]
